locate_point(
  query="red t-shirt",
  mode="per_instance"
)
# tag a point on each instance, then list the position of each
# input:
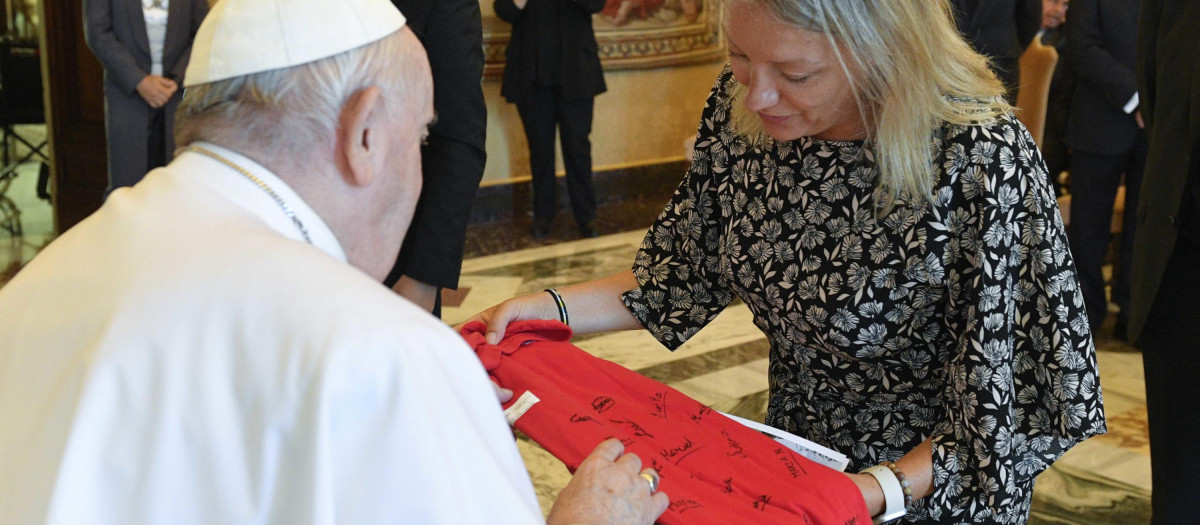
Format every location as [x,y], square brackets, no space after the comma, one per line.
[713,469]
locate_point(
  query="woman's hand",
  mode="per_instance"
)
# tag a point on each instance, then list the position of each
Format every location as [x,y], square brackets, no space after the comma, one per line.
[593,307]
[917,466]
[533,306]
[608,488]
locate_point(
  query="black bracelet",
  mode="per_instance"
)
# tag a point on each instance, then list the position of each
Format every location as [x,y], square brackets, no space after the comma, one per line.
[562,307]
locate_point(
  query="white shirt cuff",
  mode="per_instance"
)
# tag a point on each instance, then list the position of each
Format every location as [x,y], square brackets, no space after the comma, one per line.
[1132,104]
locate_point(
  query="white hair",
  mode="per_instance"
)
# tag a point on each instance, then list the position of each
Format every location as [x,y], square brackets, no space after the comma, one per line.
[294,110]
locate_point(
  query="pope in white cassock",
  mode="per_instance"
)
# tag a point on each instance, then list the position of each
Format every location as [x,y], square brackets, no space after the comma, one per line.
[214,345]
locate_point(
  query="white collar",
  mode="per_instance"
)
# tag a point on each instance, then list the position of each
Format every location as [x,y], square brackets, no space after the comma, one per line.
[244,193]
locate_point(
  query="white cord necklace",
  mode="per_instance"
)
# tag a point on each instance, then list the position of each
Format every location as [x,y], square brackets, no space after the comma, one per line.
[287,210]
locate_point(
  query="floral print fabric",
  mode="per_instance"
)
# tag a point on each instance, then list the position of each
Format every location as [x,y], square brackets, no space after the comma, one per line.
[961,320]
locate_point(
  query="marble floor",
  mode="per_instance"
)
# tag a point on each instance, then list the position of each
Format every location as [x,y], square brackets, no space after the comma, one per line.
[26,222]
[1106,480]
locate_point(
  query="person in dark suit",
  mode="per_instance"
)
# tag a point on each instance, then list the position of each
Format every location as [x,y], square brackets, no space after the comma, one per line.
[1062,84]
[453,157]
[1106,141]
[552,73]
[144,46]
[1164,315]
[1001,30]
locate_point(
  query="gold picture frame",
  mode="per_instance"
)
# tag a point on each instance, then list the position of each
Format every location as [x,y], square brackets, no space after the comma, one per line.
[631,34]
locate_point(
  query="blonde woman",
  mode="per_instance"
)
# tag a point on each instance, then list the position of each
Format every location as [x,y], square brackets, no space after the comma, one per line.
[860,184]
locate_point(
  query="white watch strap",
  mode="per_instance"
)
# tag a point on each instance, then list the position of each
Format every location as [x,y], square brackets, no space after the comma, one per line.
[893,494]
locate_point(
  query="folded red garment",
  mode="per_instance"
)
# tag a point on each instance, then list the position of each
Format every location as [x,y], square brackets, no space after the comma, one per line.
[714,469]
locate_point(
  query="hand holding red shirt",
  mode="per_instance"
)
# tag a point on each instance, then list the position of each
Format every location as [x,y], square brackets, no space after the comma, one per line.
[714,469]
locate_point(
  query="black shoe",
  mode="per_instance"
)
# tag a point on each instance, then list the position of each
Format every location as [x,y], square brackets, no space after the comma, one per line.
[540,229]
[588,230]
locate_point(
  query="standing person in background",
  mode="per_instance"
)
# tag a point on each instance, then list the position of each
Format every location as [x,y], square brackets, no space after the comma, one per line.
[552,73]
[1106,140]
[144,46]
[1058,105]
[1000,30]
[1163,310]
[454,154]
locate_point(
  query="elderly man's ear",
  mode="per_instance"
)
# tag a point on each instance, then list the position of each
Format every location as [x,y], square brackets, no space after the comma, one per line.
[360,141]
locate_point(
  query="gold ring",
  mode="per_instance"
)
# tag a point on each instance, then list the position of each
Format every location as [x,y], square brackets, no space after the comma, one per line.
[651,477]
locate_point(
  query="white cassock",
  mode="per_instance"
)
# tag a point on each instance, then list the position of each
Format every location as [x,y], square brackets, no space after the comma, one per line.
[184,357]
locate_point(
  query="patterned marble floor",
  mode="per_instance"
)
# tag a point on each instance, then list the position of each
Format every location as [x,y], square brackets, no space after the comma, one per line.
[1106,480]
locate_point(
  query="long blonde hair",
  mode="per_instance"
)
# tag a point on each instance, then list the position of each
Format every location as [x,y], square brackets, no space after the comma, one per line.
[914,73]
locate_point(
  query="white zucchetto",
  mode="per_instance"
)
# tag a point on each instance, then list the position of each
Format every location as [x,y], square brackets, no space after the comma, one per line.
[242,37]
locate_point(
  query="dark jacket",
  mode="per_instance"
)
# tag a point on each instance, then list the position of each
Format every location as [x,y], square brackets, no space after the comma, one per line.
[452,34]
[116,32]
[1169,86]
[999,28]
[1102,43]
[1058,106]
[579,72]
[452,160]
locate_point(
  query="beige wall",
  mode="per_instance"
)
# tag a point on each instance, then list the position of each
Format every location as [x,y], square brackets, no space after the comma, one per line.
[643,119]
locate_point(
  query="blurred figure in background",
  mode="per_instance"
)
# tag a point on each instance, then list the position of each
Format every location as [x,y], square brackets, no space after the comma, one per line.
[1104,132]
[1164,315]
[1058,105]
[1000,30]
[144,46]
[1054,14]
[453,157]
[552,73]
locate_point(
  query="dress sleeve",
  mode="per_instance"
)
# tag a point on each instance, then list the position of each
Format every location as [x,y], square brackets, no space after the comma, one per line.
[679,265]
[1021,383]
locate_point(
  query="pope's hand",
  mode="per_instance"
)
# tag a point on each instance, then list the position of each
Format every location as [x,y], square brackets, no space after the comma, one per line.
[609,488]
[502,394]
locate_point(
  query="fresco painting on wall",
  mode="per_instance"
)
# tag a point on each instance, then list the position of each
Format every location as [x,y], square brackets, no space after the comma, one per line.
[632,34]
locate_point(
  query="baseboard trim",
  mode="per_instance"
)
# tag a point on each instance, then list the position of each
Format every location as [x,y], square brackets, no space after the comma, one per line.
[505,201]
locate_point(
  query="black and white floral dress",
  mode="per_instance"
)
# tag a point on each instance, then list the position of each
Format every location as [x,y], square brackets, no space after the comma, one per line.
[962,320]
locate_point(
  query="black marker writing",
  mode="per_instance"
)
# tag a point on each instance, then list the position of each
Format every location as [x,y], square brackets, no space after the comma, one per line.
[735,448]
[677,454]
[684,505]
[637,429]
[660,404]
[602,403]
[761,502]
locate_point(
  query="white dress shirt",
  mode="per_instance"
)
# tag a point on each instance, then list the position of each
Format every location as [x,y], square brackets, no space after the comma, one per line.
[155,12]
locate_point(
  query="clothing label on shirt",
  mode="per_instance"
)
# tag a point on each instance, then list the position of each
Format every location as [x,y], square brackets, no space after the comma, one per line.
[518,409]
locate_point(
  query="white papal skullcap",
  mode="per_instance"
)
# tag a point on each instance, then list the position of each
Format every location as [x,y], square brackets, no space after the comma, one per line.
[241,37]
